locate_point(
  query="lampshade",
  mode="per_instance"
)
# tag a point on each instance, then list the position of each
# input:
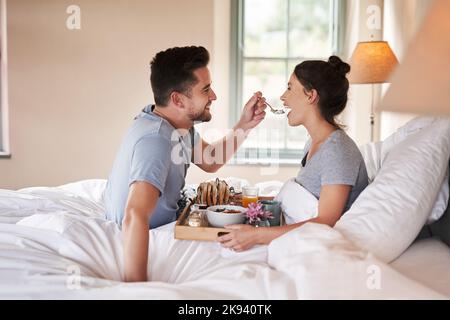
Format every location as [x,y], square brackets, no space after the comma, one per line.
[372,62]
[422,83]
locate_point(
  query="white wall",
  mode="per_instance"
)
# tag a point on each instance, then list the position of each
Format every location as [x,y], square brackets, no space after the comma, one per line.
[74,93]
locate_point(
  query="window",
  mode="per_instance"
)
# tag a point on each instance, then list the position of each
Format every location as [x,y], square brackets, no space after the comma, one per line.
[4,147]
[269,38]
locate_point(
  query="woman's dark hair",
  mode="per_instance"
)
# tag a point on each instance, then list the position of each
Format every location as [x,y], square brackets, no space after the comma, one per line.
[173,70]
[328,78]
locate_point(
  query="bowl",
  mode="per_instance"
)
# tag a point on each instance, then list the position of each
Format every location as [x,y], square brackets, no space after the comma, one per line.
[221,219]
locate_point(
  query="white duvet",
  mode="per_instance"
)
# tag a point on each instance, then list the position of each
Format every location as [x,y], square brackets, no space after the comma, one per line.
[56,244]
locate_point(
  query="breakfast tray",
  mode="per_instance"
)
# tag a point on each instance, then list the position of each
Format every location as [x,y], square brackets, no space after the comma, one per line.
[183,231]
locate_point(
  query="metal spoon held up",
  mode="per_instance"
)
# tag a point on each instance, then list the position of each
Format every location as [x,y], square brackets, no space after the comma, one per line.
[276,111]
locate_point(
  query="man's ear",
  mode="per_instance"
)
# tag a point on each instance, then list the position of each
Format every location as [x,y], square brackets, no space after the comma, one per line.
[177,99]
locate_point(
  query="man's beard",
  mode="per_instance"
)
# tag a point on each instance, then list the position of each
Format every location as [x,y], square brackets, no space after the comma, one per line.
[203,116]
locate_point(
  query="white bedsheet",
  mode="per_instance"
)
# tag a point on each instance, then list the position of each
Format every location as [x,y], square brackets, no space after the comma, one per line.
[55,243]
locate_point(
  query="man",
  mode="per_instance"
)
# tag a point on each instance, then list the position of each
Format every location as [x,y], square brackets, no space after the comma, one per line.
[145,183]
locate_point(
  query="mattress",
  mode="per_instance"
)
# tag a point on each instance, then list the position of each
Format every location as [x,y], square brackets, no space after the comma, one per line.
[427,261]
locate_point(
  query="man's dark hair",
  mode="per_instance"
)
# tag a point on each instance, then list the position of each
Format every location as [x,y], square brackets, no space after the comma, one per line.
[173,70]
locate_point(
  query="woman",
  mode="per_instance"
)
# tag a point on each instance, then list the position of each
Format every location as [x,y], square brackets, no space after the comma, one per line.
[333,168]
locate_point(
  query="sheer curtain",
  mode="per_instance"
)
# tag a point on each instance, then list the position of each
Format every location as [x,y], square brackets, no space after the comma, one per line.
[401,21]
[355,115]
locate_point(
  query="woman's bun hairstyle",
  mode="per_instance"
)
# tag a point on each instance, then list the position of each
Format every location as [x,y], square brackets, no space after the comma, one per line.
[341,67]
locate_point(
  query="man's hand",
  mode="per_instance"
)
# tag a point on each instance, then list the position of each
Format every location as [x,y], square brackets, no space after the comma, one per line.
[142,199]
[253,112]
[252,115]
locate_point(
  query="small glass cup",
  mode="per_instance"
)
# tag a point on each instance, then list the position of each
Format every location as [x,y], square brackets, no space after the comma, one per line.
[249,195]
[195,219]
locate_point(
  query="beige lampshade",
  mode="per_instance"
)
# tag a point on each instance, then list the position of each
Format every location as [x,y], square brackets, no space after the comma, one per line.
[372,62]
[422,84]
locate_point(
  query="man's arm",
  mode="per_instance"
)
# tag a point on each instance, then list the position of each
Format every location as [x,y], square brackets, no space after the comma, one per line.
[211,157]
[141,203]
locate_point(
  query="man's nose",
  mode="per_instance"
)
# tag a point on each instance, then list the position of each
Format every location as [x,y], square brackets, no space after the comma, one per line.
[213,95]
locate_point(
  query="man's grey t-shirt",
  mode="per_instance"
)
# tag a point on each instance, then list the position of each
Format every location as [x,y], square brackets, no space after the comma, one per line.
[154,152]
[337,161]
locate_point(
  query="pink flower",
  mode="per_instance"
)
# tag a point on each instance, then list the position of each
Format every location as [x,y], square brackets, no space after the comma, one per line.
[256,213]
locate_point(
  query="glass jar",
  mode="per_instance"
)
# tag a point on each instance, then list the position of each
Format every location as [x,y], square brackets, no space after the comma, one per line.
[195,219]
[261,223]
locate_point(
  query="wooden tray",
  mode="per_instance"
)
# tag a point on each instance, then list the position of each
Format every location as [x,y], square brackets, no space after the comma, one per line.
[185,232]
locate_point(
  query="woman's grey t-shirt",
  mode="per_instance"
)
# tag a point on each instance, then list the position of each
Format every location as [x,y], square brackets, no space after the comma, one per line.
[337,161]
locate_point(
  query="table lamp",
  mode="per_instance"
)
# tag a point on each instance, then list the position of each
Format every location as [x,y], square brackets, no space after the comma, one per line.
[372,62]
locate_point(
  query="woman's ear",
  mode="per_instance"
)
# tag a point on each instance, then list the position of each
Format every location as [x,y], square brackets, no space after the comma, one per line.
[313,96]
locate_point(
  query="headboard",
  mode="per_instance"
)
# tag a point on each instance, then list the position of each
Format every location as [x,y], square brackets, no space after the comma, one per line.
[440,228]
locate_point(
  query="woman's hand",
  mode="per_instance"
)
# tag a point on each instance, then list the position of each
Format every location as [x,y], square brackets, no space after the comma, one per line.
[241,237]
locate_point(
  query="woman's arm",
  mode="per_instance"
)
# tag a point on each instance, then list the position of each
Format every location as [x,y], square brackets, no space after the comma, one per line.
[332,202]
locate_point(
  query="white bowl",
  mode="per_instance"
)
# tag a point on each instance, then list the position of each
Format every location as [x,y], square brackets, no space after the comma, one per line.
[221,219]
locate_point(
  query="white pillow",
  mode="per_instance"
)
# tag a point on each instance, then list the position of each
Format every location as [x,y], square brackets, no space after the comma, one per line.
[297,203]
[389,213]
[269,188]
[236,183]
[371,153]
[374,155]
[91,189]
[442,200]
[403,132]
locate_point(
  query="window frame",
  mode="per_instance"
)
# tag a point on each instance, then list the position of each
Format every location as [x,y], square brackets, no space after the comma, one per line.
[4,115]
[285,156]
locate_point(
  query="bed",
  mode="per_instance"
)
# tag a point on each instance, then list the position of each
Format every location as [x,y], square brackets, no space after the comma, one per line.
[56,244]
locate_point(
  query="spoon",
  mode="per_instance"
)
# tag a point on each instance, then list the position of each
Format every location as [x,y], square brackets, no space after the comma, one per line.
[276,111]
